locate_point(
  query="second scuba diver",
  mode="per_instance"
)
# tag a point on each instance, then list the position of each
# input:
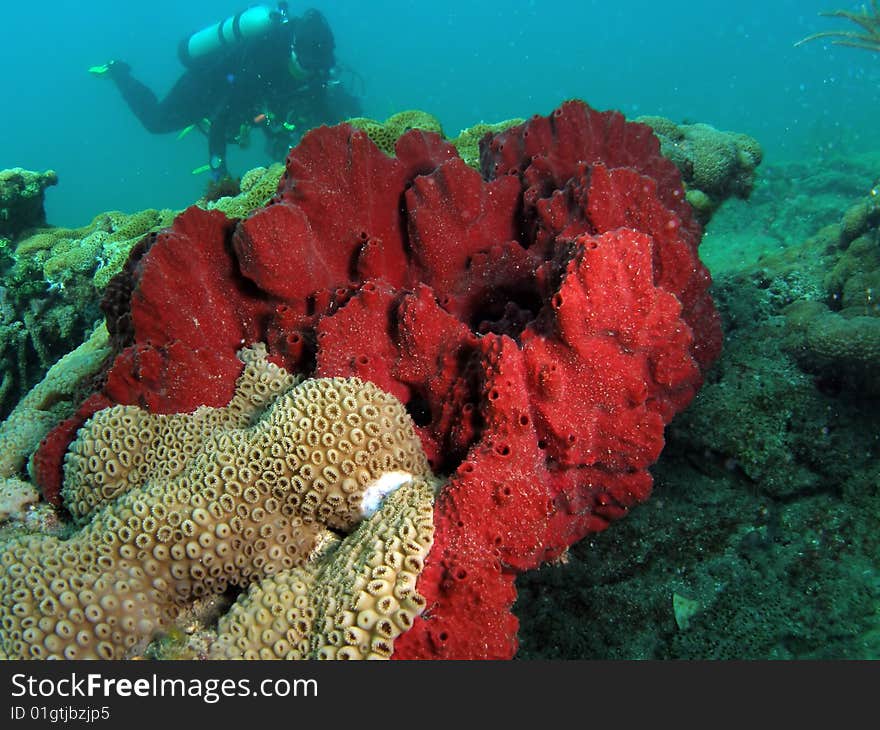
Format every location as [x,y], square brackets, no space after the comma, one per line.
[260,68]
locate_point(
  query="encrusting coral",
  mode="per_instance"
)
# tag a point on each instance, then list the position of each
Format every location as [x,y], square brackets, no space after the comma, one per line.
[468,141]
[221,497]
[385,134]
[92,253]
[49,292]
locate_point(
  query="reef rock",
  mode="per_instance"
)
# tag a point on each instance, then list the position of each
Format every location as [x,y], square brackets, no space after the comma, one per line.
[21,199]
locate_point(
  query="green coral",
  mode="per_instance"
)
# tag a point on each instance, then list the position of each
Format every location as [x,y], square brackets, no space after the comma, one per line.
[257,187]
[468,141]
[73,257]
[125,231]
[385,134]
[91,254]
[51,286]
[46,238]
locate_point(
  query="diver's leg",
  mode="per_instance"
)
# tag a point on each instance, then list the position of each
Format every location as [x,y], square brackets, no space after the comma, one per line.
[185,104]
[217,140]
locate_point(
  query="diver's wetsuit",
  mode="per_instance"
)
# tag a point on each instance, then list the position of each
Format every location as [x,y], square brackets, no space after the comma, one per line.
[231,87]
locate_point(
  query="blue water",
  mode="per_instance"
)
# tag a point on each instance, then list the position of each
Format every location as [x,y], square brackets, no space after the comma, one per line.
[732,65]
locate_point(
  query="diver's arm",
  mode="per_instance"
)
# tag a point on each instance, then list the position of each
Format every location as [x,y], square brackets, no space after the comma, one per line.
[280,137]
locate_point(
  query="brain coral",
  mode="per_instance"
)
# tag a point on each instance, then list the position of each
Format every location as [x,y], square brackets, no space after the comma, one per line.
[220,497]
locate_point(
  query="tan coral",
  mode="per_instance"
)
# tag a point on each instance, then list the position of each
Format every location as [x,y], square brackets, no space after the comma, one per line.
[247,503]
[15,497]
[351,602]
[124,446]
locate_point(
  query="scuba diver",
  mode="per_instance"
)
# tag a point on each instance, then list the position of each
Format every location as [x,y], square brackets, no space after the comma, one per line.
[262,68]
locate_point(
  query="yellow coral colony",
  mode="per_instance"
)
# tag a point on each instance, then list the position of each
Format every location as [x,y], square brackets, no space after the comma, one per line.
[179,507]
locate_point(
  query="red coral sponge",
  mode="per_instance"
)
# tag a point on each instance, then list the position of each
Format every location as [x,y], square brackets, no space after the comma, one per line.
[542,321]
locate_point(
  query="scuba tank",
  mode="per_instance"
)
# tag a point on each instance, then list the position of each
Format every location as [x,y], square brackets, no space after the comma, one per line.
[250,23]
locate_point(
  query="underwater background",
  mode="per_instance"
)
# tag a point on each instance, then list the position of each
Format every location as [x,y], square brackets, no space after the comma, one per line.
[760,540]
[731,65]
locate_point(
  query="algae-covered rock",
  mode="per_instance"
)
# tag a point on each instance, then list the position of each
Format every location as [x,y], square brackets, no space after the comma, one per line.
[836,334]
[21,199]
[843,347]
[718,164]
[860,217]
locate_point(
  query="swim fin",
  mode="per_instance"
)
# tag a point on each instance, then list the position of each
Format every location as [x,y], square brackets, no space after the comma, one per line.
[105,69]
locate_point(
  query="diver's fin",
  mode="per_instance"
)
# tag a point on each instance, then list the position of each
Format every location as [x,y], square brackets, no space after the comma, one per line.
[105,70]
[199,170]
[185,131]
